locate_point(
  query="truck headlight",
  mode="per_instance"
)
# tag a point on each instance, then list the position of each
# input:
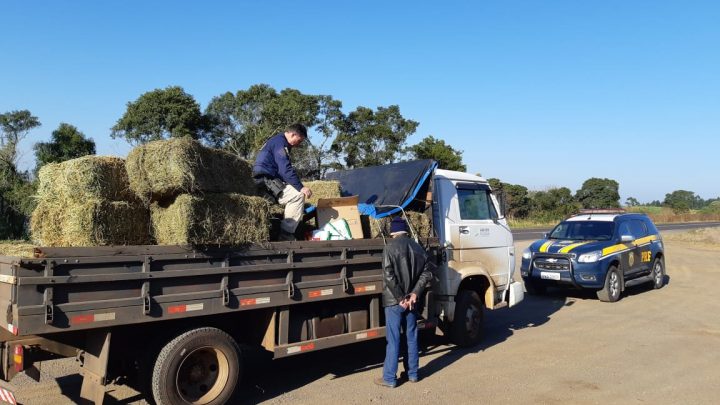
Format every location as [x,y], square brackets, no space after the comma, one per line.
[527,254]
[590,257]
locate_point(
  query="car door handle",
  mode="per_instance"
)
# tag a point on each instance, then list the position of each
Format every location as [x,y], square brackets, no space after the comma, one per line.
[464,229]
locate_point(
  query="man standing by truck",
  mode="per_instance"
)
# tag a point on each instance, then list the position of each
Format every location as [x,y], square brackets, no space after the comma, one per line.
[406,271]
[274,172]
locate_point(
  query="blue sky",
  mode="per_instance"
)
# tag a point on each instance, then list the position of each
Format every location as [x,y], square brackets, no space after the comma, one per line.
[538,93]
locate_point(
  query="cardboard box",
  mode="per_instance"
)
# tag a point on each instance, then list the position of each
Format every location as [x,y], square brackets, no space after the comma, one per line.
[342,207]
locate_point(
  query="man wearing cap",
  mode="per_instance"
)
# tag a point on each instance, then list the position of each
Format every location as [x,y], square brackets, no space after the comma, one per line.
[274,173]
[406,271]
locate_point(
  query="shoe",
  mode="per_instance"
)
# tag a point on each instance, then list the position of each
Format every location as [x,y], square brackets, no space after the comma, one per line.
[381,382]
[404,377]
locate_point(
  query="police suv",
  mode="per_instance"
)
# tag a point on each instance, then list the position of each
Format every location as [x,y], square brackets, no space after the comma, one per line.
[605,250]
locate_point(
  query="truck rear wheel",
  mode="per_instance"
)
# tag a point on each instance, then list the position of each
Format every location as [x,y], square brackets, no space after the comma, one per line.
[201,366]
[466,329]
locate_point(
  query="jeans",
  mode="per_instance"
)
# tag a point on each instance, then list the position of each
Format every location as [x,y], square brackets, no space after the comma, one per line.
[397,318]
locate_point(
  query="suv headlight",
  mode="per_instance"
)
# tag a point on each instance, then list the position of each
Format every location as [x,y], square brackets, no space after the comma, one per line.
[590,257]
[527,254]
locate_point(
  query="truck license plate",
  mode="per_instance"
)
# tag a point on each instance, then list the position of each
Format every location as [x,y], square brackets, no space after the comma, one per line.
[545,275]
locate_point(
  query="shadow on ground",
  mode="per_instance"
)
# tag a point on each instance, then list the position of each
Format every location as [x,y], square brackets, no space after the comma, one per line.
[265,380]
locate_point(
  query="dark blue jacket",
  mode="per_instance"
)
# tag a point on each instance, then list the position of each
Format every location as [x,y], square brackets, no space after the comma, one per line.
[273,160]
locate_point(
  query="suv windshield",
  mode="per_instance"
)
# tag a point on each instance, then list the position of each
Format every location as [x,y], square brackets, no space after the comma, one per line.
[583,230]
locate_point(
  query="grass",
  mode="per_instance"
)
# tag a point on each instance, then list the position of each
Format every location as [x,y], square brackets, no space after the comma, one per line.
[659,215]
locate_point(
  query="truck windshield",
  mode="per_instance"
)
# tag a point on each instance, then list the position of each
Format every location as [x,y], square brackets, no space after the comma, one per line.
[583,230]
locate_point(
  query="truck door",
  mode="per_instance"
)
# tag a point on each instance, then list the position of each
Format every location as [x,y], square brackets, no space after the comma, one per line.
[477,238]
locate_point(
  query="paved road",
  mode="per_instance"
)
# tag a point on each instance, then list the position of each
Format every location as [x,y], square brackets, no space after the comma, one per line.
[537,233]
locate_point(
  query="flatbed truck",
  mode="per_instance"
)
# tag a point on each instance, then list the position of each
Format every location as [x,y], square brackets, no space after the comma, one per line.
[173,321]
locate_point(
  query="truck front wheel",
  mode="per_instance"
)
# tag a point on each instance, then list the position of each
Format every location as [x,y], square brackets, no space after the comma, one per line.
[466,329]
[201,366]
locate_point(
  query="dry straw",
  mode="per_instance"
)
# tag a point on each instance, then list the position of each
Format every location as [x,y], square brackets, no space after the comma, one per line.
[162,170]
[213,219]
[322,189]
[16,248]
[420,223]
[91,222]
[86,177]
[87,202]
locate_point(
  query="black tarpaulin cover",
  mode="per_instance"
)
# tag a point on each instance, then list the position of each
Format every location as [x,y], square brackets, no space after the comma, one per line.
[381,189]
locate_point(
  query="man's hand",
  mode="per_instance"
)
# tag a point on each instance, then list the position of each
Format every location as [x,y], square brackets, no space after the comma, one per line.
[306,191]
[404,304]
[411,300]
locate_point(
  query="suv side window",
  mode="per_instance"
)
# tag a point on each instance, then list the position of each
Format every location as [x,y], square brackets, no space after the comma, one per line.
[624,229]
[637,229]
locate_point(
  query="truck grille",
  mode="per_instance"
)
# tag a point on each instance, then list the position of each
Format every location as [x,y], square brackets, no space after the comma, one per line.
[552,263]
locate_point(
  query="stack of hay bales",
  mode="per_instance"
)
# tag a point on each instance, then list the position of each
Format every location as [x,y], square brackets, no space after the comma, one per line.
[197,195]
[87,202]
[419,221]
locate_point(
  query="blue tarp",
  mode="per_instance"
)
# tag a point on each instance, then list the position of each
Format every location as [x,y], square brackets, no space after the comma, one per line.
[382,190]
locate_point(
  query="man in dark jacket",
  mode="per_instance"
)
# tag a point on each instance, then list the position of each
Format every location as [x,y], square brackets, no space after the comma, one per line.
[274,172]
[406,271]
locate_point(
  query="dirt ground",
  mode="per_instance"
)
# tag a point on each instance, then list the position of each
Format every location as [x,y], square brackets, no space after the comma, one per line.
[651,347]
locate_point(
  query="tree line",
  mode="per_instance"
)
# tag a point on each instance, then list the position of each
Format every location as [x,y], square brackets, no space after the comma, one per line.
[240,122]
[595,193]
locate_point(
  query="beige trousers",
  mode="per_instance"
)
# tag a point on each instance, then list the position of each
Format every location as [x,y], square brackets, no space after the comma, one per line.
[294,202]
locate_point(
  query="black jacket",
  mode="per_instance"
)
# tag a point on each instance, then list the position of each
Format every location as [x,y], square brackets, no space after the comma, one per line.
[406,269]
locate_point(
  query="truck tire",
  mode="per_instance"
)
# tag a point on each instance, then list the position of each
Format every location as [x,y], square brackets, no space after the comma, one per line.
[658,274]
[467,327]
[611,291]
[201,366]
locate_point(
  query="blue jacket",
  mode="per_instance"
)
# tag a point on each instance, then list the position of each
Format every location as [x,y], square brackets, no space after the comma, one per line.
[273,160]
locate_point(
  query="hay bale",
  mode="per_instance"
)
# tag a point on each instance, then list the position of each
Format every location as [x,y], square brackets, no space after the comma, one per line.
[213,219]
[93,222]
[164,169]
[17,248]
[87,177]
[322,189]
[419,221]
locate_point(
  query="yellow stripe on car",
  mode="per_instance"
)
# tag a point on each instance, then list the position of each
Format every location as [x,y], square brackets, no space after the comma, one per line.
[545,246]
[615,248]
[571,247]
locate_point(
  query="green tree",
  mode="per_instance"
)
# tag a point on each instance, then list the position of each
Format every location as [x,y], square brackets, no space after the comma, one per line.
[160,114]
[67,143]
[14,126]
[682,201]
[436,149]
[370,138]
[553,204]
[16,190]
[599,193]
[514,197]
[631,202]
[242,122]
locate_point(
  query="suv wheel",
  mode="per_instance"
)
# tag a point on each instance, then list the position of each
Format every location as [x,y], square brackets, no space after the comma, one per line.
[658,274]
[611,291]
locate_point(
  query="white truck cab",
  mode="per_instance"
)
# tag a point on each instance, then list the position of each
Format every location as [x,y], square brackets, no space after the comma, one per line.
[480,256]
